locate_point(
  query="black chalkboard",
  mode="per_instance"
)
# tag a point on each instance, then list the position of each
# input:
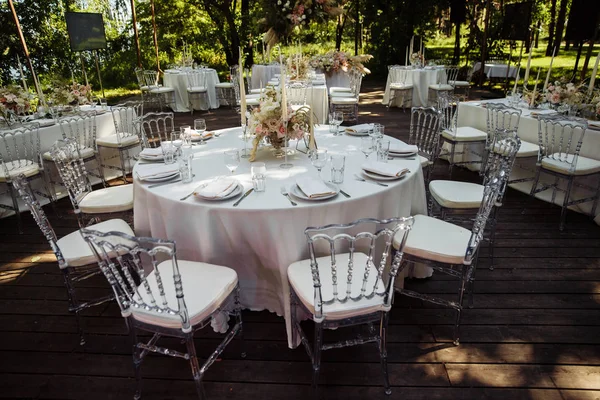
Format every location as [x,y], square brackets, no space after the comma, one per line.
[86,31]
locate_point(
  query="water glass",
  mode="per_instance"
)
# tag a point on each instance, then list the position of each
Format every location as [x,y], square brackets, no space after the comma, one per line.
[367,145]
[177,143]
[200,128]
[185,168]
[332,125]
[103,104]
[318,158]
[259,177]
[383,150]
[378,131]
[232,160]
[338,164]
[338,119]
[168,152]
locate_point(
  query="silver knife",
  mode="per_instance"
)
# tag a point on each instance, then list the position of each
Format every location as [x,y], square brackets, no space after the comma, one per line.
[243,197]
[344,193]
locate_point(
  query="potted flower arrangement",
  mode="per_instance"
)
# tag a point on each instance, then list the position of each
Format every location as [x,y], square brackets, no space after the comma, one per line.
[266,122]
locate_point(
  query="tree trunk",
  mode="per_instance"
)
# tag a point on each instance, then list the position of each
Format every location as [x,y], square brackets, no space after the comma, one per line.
[356,27]
[339,31]
[488,12]
[550,47]
[456,57]
[244,34]
[537,34]
[560,24]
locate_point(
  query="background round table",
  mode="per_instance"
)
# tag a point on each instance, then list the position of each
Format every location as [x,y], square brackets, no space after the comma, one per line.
[496,70]
[261,74]
[263,235]
[177,80]
[420,79]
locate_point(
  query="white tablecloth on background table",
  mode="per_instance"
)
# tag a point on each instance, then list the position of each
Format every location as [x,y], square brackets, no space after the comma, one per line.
[420,79]
[263,235]
[179,82]
[261,74]
[474,115]
[318,98]
[496,70]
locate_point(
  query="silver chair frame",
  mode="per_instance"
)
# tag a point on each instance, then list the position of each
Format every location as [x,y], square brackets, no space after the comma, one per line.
[197,78]
[350,111]
[425,134]
[406,94]
[156,127]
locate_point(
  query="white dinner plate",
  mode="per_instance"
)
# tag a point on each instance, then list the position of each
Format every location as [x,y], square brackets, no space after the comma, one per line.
[197,138]
[296,192]
[160,178]
[235,192]
[151,158]
[402,155]
[378,177]
[356,133]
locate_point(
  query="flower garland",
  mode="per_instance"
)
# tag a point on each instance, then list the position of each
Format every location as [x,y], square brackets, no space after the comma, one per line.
[336,61]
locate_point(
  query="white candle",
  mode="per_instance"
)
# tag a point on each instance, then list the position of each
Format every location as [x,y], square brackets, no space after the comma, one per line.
[516,79]
[594,72]
[73,77]
[421,51]
[549,69]
[22,74]
[532,103]
[283,95]
[526,79]
[311,141]
[412,39]
[242,89]
[406,58]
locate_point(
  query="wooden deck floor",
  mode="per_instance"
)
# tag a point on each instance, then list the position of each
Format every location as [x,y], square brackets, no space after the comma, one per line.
[534,332]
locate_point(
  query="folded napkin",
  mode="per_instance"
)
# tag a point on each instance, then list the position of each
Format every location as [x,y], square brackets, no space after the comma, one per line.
[594,125]
[44,121]
[362,128]
[384,169]
[156,171]
[313,188]
[152,152]
[403,148]
[217,189]
[195,135]
[542,112]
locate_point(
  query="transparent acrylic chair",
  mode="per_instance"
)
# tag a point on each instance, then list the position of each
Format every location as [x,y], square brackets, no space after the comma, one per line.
[401,87]
[197,89]
[149,283]
[342,286]
[75,259]
[500,117]
[425,134]
[157,127]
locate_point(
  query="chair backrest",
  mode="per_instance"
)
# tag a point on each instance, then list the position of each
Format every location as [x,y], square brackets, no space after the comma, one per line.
[196,79]
[355,81]
[501,116]
[72,171]
[151,78]
[248,81]
[235,81]
[127,118]
[24,188]
[157,127]
[81,127]
[297,92]
[399,75]
[134,276]
[560,138]
[21,148]
[425,130]
[447,105]
[139,75]
[370,234]
[501,158]
[451,75]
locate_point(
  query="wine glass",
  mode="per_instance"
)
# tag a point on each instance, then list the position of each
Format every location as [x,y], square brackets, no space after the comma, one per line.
[94,101]
[338,118]
[367,146]
[200,128]
[318,158]
[177,143]
[232,160]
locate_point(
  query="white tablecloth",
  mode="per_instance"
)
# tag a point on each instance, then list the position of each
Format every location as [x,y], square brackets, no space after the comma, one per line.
[472,114]
[178,81]
[420,78]
[496,70]
[318,99]
[263,235]
[261,74]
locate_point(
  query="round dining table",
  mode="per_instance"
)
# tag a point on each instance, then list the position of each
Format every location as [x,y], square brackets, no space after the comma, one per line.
[178,80]
[420,78]
[264,234]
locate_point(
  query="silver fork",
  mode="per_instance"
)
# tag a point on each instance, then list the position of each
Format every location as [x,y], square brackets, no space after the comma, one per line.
[358,178]
[285,193]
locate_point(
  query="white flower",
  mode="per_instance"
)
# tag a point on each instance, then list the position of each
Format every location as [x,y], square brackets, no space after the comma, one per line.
[278,2]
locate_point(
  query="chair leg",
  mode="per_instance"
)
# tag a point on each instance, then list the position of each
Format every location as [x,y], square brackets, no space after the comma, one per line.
[595,206]
[451,160]
[492,237]
[317,359]
[383,351]
[73,306]
[191,350]
[461,293]
[238,316]
[123,170]
[563,212]
[15,201]
[137,362]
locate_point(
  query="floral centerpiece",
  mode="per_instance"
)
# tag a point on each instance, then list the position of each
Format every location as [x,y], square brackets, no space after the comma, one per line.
[265,122]
[297,67]
[336,61]
[14,99]
[416,59]
[564,92]
[533,97]
[74,94]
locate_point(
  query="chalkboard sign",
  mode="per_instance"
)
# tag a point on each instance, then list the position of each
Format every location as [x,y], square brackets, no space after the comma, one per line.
[86,31]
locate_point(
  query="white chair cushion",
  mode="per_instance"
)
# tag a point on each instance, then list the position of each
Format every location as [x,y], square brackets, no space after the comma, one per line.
[27,168]
[197,89]
[253,101]
[205,288]
[452,194]
[300,277]
[224,85]
[527,150]
[334,89]
[84,152]
[341,94]
[296,107]
[460,83]
[257,91]
[113,141]
[465,134]
[108,200]
[162,89]
[441,87]
[585,166]
[344,100]
[437,240]
[400,86]
[75,249]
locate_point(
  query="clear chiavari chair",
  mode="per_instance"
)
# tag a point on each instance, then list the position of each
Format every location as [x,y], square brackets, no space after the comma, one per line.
[148,282]
[127,118]
[20,154]
[343,284]
[141,80]
[197,89]
[499,116]
[560,140]
[451,249]
[226,91]
[347,103]
[156,128]
[425,134]
[88,204]
[443,86]
[400,88]
[297,93]
[75,259]
[160,94]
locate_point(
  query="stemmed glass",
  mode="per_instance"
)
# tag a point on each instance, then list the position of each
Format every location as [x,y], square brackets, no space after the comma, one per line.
[94,101]
[200,128]
[177,143]
[232,160]
[367,146]
[318,158]
[338,118]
